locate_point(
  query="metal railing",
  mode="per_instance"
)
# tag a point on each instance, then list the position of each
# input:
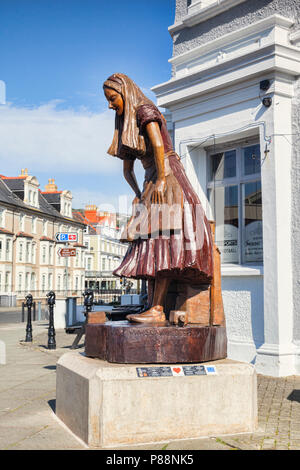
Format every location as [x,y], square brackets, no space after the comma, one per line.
[101,296]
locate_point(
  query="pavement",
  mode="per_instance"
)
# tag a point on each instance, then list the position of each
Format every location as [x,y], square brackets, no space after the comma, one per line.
[27,402]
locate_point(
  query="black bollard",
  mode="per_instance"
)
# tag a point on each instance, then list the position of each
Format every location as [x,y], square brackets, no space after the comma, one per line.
[28,304]
[88,301]
[51,330]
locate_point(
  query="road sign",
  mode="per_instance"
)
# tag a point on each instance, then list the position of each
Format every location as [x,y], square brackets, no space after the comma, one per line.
[65,237]
[65,252]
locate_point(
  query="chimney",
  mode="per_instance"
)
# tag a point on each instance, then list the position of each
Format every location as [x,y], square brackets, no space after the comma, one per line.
[90,213]
[51,186]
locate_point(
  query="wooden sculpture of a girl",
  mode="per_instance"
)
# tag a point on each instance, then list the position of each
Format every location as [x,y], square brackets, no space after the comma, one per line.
[180,246]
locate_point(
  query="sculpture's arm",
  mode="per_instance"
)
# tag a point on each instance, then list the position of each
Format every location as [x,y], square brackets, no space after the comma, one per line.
[129,175]
[155,138]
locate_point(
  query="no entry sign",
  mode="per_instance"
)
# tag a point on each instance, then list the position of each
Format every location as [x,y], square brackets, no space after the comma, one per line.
[65,252]
[66,237]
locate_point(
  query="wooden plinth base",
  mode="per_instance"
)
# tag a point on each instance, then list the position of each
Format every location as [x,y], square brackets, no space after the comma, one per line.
[128,343]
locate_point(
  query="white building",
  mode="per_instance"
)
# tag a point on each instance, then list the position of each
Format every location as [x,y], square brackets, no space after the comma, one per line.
[104,251]
[29,252]
[241,153]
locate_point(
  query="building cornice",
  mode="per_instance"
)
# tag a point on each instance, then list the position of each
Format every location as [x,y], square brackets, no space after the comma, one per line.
[260,48]
[295,38]
[228,39]
[197,14]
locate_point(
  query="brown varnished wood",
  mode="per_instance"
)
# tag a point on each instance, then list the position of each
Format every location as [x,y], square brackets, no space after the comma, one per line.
[195,301]
[127,343]
[217,316]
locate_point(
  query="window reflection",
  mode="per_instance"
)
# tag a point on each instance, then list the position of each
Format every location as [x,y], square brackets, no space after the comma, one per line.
[251,159]
[224,200]
[252,227]
[223,165]
[234,190]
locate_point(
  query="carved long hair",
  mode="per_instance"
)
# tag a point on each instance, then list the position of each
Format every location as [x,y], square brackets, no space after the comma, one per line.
[127,138]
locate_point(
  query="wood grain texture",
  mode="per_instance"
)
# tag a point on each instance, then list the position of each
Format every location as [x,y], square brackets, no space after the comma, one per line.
[217,316]
[127,343]
[195,301]
[97,317]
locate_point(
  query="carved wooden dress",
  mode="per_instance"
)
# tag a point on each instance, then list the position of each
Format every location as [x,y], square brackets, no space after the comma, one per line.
[185,253]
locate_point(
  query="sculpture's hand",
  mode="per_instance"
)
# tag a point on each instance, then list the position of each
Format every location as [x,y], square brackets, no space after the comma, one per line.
[158,195]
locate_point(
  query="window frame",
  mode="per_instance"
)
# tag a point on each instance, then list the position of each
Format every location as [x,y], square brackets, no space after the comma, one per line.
[239,180]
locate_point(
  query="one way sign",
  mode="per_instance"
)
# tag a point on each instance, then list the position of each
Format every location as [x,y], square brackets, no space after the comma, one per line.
[62,237]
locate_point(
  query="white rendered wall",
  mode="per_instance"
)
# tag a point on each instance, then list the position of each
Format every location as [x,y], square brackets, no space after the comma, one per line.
[215,97]
[243,299]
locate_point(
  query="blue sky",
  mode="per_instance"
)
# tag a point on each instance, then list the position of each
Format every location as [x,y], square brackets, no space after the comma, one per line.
[55,55]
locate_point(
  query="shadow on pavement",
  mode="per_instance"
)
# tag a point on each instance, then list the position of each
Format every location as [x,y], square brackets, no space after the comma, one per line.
[52,404]
[294,396]
[50,367]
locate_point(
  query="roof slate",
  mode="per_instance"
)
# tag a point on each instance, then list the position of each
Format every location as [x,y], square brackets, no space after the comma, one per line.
[8,197]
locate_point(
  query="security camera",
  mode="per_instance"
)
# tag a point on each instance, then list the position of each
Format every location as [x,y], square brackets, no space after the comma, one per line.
[267,102]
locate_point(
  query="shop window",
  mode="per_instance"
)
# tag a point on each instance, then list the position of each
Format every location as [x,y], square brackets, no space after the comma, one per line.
[234,192]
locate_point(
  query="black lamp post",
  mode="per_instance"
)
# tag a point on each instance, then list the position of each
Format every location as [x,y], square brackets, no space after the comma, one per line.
[51,330]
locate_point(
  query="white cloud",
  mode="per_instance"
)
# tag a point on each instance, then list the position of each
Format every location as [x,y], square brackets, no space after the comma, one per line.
[105,202]
[48,139]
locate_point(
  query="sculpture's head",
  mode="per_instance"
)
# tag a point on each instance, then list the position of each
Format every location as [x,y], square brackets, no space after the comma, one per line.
[125,97]
[115,100]
[113,92]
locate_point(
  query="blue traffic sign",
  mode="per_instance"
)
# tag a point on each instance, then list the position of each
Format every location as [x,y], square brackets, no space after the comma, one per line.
[66,237]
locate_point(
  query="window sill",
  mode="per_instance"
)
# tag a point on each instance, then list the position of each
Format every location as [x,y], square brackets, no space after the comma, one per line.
[241,270]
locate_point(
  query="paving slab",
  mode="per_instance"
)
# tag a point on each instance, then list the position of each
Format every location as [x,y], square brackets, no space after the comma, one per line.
[48,438]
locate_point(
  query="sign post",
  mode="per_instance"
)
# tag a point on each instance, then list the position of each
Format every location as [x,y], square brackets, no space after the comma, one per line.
[66,237]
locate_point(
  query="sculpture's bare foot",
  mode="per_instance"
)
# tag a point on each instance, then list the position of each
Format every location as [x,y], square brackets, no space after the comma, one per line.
[153,315]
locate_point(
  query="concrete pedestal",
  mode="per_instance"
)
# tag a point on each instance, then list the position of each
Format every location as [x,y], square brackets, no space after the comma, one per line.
[109,404]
